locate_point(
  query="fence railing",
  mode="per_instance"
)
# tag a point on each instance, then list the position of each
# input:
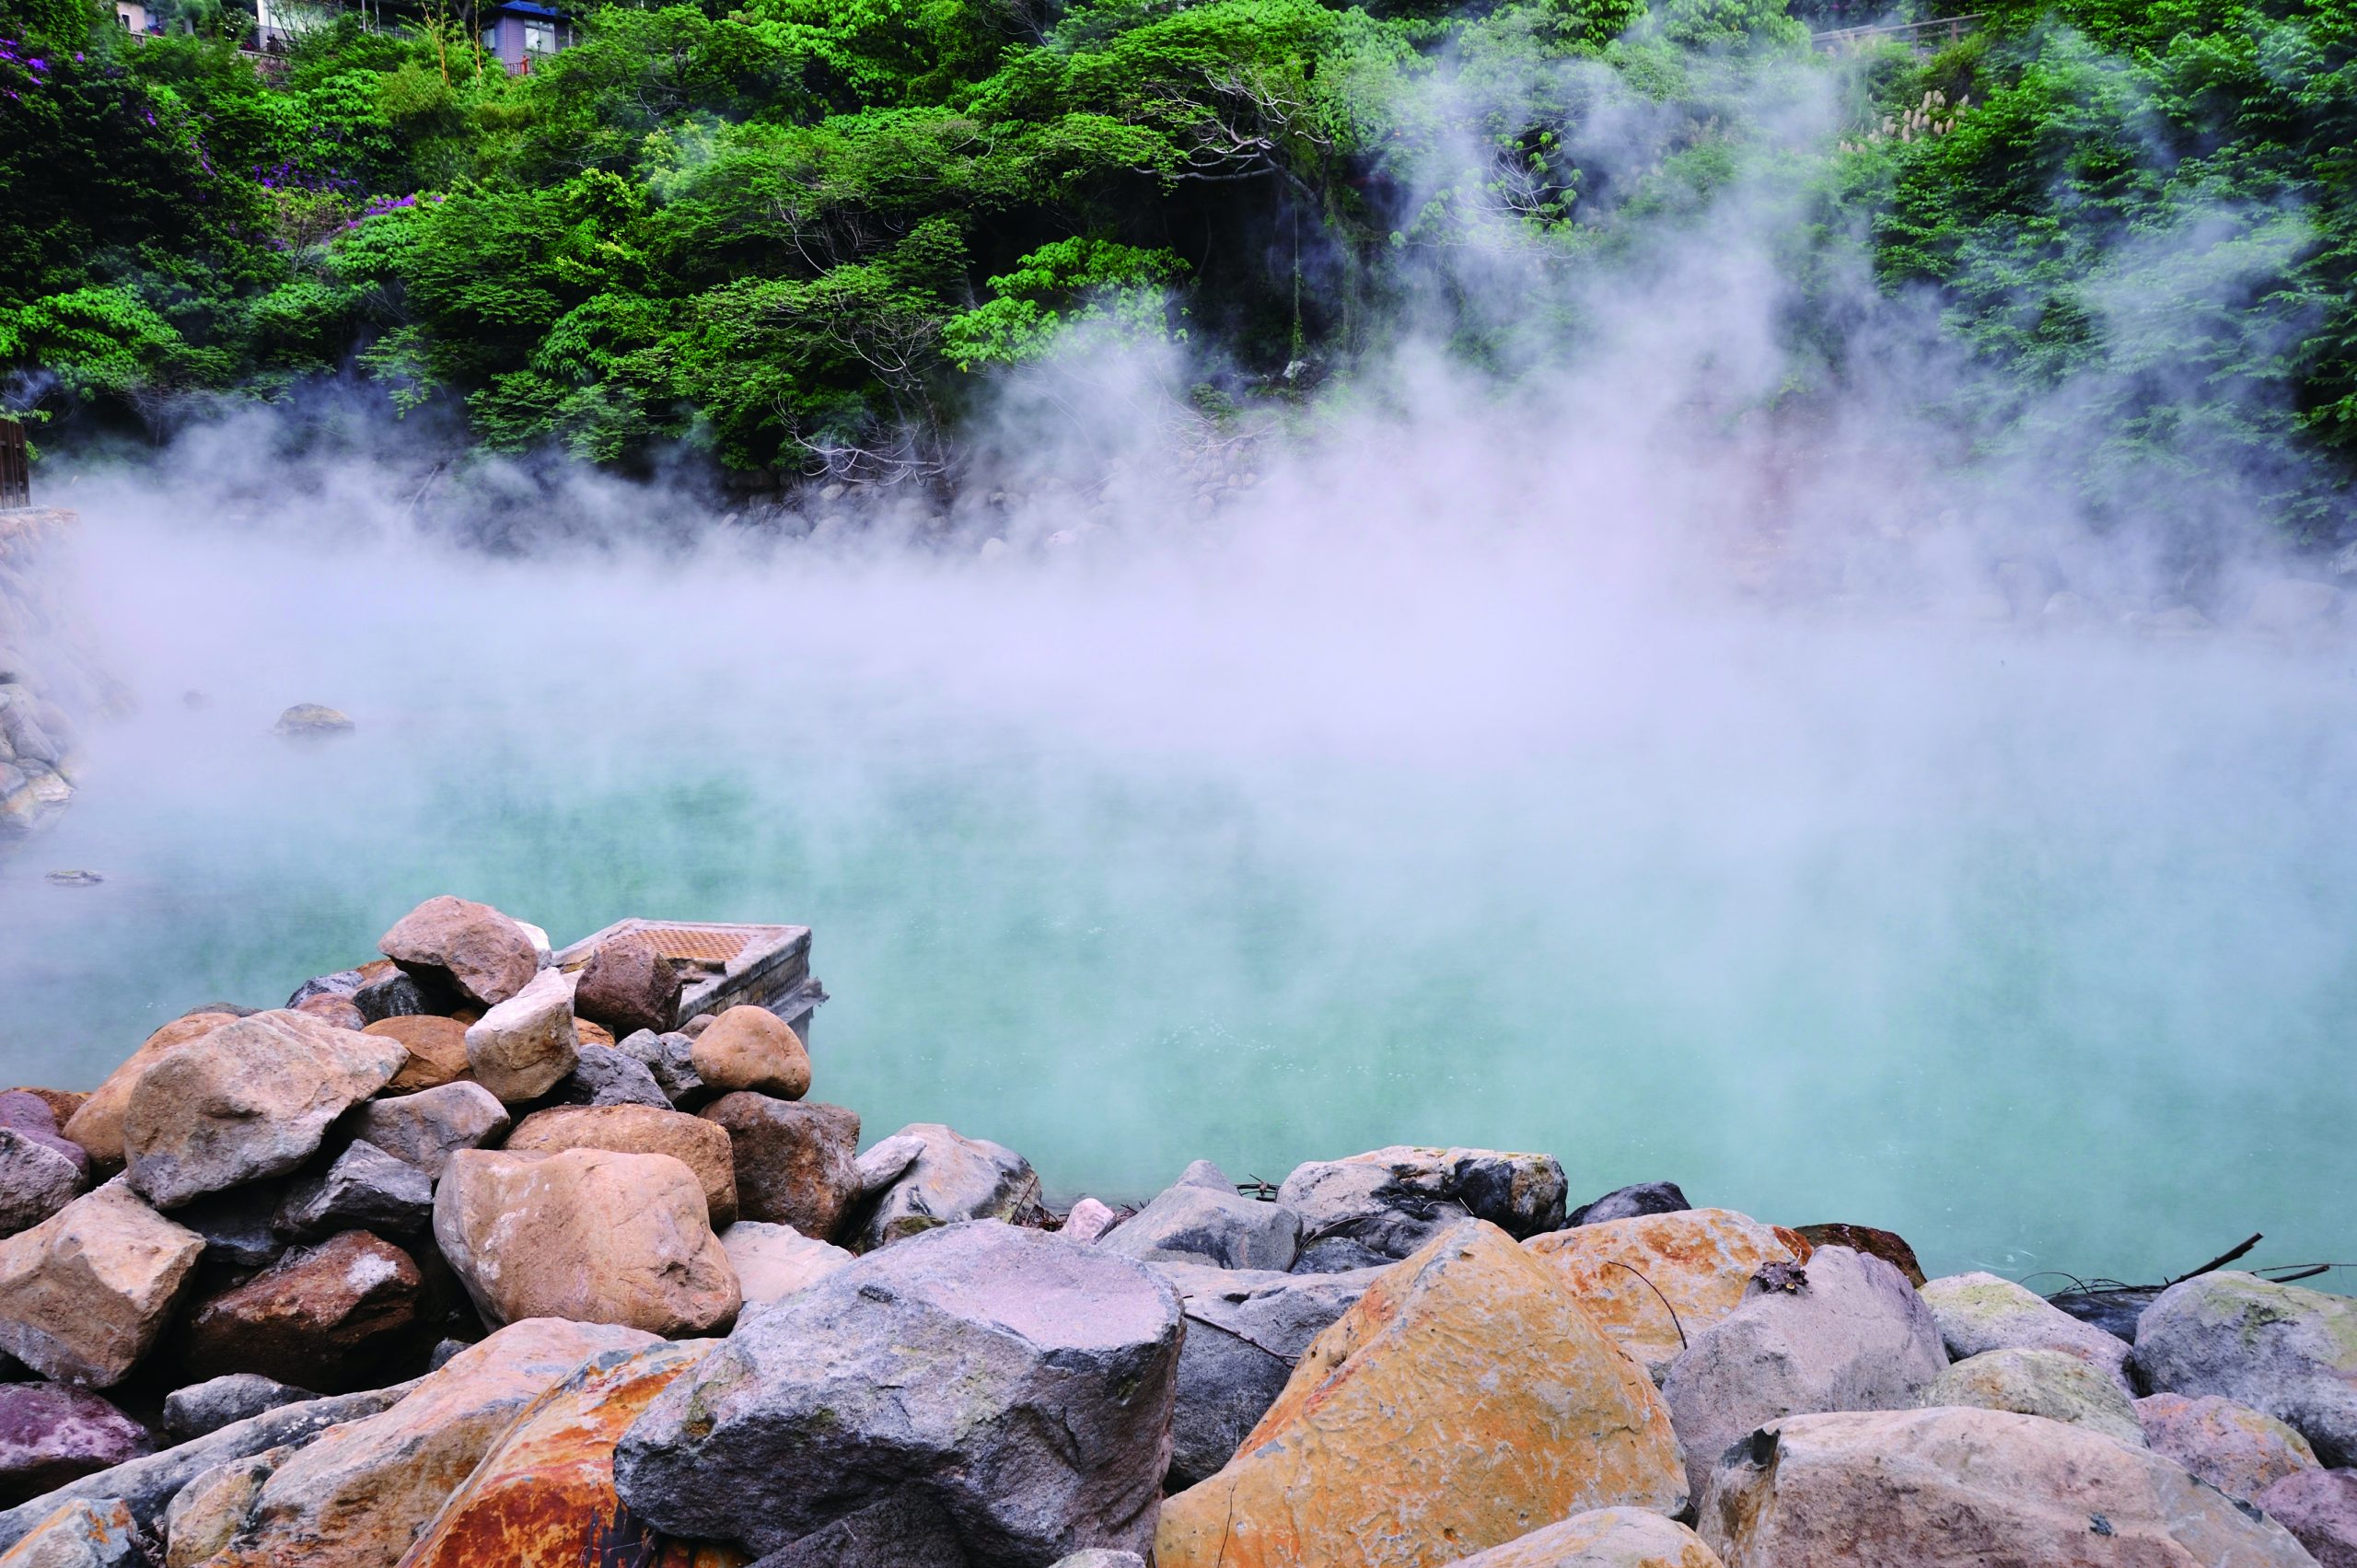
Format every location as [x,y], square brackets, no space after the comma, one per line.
[1940,29]
[15,469]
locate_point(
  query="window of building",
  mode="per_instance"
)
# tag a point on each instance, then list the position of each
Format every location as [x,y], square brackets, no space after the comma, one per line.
[539,39]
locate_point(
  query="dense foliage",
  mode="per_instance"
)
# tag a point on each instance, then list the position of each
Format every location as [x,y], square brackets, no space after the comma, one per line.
[799,234]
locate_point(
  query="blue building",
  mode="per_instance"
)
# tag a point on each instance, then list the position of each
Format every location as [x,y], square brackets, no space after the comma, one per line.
[519,32]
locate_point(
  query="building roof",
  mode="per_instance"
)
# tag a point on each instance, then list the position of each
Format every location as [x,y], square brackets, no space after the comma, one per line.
[525,8]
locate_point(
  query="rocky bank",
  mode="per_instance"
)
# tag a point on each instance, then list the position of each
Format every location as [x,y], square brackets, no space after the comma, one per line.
[462,1257]
[50,682]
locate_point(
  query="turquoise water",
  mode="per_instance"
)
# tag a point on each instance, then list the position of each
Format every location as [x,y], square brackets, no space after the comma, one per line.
[2039,951]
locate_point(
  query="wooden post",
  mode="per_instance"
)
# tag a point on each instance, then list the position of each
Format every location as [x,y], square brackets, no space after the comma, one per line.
[16,468]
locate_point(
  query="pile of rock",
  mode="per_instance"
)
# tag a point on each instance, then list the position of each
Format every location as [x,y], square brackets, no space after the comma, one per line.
[465,1259]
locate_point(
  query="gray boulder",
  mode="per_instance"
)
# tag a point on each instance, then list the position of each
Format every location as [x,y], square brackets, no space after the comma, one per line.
[1101,1558]
[1203,1218]
[1018,1383]
[1852,1335]
[217,1402]
[1628,1202]
[426,1128]
[1246,1331]
[36,1180]
[394,996]
[364,1189]
[344,982]
[2319,1507]
[949,1177]
[240,1225]
[606,1075]
[2288,1352]
[2048,1382]
[905,1531]
[1378,1207]
[1979,1313]
[669,1060]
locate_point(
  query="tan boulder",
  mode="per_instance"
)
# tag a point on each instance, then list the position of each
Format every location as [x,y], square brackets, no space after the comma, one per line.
[206,1513]
[522,1048]
[473,949]
[544,1496]
[1603,1538]
[357,1495]
[772,1261]
[2051,1383]
[752,1048]
[1465,1401]
[97,1122]
[695,1142]
[2240,1451]
[250,1100]
[1957,1488]
[586,1234]
[84,1293]
[1631,1275]
[437,1047]
[93,1534]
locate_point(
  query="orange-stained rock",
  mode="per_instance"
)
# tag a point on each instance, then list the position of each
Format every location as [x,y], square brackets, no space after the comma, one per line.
[1695,1262]
[437,1050]
[357,1495]
[96,1123]
[592,1034]
[544,1496]
[1463,1403]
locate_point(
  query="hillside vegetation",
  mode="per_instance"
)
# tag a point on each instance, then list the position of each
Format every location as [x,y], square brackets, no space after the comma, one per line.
[800,236]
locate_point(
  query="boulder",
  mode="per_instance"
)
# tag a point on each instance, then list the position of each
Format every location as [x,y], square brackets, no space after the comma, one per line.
[97,1125]
[84,1293]
[669,1060]
[948,1178]
[98,1534]
[544,1497]
[588,1034]
[49,1434]
[437,1047]
[1101,1556]
[36,1180]
[1850,1335]
[606,1076]
[1018,1383]
[886,1162]
[1464,1402]
[1204,1218]
[34,1114]
[217,1403]
[1603,1538]
[589,1234]
[2289,1352]
[2319,1507]
[772,1261]
[358,1494]
[526,1045]
[751,1048]
[393,994]
[1088,1219]
[795,1161]
[1246,1330]
[344,982]
[639,1130]
[1378,1207]
[307,720]
[363,1188]
[1954,1488]
[1628,1202]
[250,1100]
[149,1484]
[426,1128]
[338,1011]
[1982,1312]
[907,1530]
[239,1226]
[1652,1281]
[2240,1451]
[1887,1245]
[448,944]
[628,986]
[2046,1383]
[324,1314]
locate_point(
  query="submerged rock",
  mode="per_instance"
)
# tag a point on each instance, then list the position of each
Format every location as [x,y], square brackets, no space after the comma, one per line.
[2289,1352]
[1018,1384]
[1378,1207]
[1464,1402]
[310,720]
[1955,1488]
[589,1235]
[84,1293]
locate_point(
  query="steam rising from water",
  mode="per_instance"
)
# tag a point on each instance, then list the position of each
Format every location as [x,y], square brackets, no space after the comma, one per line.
[1591,765]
